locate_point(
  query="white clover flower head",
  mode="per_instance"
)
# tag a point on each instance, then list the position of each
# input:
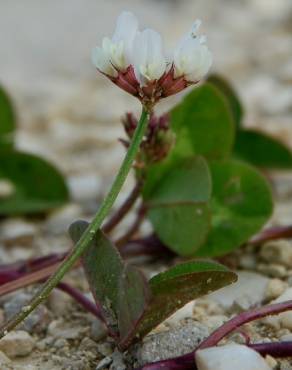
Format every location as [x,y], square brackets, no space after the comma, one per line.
[135,60]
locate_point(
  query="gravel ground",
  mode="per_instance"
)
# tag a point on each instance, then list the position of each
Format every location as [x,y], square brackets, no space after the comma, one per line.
[64,116]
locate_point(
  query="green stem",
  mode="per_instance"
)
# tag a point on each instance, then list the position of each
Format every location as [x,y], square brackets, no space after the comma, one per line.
[88,235]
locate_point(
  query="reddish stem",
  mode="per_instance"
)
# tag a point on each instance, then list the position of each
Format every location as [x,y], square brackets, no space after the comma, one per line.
[272,233]
[133,229]
[81,299]
[242,319]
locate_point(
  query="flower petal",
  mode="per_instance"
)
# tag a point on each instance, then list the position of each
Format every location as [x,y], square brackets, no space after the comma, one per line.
[101,61]
[148,57]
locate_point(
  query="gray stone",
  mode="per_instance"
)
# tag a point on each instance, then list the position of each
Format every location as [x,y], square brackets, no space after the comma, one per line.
[98,330]
[58,329]
[118,362]
[59,302]
[174,342]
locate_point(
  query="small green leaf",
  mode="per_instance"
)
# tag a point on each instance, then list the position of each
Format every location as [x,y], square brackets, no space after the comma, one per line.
[232,98]
[203,124]
[177,204]
[37,185]
[120,290]
[262,150]
[7,115]
[179,285]
[241,204]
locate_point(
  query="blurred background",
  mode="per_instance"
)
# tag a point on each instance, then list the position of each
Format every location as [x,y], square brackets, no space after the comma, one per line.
[70,114]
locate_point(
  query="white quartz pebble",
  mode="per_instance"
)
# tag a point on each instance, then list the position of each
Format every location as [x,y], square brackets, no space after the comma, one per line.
[230,357]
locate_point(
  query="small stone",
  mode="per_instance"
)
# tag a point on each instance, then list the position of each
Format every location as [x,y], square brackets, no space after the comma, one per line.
[275,288]
[2,317]
[118,361]
[87,344]
[105,348]
[104,363]
[174,342]
[215,321]
[248,291]
[60,219]
[4,360]
[286,338]
[284,319]
[17,344]
[273,270]
[183,313]
[17,232]
[59,302]
[278,251]
[60,343]
[248,262]
[58,329]
[271,362]
[98,330]
[230,357]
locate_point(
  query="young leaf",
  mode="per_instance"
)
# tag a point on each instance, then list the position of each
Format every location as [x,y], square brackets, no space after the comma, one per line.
[241,204]
[179,285]
[7,115]
[203,124]
[120,290]
[37,185]
[232,98]
[262,150]
[178,206]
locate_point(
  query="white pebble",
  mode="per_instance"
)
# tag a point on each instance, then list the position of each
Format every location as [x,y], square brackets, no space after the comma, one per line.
[230,357]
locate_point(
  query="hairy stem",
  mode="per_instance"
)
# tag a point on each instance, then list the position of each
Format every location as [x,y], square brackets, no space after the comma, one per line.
[88,235]
[123,210]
